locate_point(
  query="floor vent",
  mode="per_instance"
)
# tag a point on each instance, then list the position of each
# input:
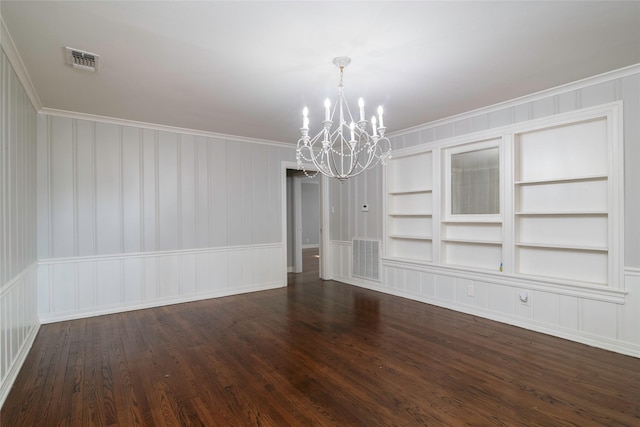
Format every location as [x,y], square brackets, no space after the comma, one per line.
[82,60]
[366,259]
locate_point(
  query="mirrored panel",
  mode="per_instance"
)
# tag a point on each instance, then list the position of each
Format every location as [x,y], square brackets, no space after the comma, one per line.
[475,182]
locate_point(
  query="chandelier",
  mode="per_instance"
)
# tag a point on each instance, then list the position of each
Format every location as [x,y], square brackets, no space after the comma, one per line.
[347,150]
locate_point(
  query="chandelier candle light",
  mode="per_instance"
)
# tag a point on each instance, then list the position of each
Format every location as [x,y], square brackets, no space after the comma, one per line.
[349,149]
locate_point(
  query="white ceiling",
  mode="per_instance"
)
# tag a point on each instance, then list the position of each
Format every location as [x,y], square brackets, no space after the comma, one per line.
[248,68]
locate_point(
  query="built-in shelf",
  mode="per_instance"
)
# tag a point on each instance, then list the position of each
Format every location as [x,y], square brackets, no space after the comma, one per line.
[408,260]
[412,191]
[561,206]
[559,219]
[401,214]
[563,247]
[478,222]
[409,237]
[574,213]
[475,268]
[570,282]
[409,207]
[562,180]
[473,242]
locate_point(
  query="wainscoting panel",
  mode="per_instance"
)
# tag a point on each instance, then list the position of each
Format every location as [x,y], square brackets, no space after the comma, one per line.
[18,273]
[17,175]
[341,251]
[18,325]
[70,288]
[597,322]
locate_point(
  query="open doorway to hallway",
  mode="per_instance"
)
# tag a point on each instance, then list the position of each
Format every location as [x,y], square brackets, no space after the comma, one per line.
[303,224]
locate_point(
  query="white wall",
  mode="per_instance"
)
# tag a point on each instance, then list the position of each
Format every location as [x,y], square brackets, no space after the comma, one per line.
[18,306]
[598,322]
[133,217]
[310,194]
[347,221]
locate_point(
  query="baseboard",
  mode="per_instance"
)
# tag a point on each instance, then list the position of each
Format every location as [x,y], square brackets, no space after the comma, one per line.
[72,288]
[15,367]
[81,314]
[604,343]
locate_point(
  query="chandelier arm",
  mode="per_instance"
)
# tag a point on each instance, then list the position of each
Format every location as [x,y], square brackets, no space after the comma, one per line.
[332,152]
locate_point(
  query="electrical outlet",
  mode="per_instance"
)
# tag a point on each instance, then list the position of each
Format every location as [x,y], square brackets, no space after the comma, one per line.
[470,291]
[524,297]
[365,207]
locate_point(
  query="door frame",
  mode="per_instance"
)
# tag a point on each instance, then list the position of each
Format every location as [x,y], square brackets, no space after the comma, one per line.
[324,265]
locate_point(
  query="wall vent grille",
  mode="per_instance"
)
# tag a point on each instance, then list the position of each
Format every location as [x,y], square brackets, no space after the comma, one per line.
[82,60]
[366,259]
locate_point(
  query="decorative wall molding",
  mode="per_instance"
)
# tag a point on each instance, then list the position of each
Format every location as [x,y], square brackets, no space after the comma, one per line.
[632,271]
[72,288]
[16,365]
[159,127]
[597,323]
[155,254]
[603,318]
[19,325]
[107,189]
[552,286]
[628,348]
[18,66]
[18,261]
[537,96]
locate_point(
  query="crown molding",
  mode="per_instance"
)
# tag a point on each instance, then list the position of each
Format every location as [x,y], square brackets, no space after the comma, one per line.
[18,66]
[536,96]
[159,127]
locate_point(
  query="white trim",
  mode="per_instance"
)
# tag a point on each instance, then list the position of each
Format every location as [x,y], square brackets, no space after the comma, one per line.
[18,66]
[326,255]
[602,110]
[312,246]
[297,224]
[611,295]
[6,287]
[324,267]
[579,84]
[478,145]
[622,347]
[159,127]
[121,308]
[16,365]
[50,261]
[24,342]
[213,283]
[632,271]
[21,71]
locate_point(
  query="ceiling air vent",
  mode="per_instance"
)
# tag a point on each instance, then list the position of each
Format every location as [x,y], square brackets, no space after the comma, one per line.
[82,60]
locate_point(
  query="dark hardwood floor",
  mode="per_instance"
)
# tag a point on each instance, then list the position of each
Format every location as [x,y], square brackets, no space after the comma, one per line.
[315,353]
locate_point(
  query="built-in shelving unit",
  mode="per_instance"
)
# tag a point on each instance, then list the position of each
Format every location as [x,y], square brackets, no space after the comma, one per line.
[537,201]
[409,207]
[561,197]
[475,244]
[471,233]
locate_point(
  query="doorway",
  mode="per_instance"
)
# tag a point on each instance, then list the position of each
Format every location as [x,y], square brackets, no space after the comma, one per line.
[304,202]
